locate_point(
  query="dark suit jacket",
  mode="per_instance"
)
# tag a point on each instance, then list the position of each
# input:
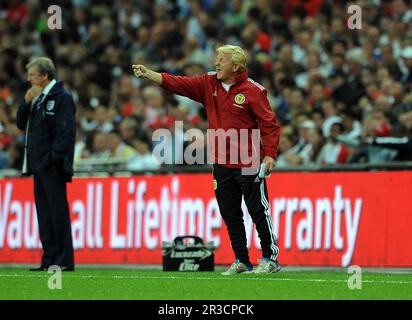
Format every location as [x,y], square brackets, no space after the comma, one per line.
[51,132]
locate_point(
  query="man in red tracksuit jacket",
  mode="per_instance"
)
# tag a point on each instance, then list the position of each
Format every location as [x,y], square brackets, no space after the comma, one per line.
[234,103]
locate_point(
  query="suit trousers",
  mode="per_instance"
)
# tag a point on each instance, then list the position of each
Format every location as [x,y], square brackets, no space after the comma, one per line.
[230,185]
[53,217]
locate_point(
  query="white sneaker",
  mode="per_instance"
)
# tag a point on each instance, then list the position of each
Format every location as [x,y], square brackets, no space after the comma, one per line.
[267,266]
[235,268]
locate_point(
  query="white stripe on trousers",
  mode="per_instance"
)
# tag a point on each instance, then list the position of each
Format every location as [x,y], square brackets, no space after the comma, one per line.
[265,203]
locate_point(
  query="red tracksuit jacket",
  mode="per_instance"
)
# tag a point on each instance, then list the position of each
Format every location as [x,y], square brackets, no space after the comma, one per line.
[244,106]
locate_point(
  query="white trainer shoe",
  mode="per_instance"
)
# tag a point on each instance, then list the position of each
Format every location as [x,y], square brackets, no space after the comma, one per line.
[267,266]
[236,268]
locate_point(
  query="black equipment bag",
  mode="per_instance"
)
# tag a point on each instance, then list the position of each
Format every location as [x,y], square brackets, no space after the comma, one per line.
[188,253]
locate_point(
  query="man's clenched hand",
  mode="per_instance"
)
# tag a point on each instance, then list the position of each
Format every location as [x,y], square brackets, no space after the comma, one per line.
[269,164]
[31,93]
[139,70]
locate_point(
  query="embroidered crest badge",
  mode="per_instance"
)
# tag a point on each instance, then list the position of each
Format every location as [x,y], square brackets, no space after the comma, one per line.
[50,105]
[240,98]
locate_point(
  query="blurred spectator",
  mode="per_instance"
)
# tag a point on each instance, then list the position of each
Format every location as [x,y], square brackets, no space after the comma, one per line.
[143,159]
[154,104]
[235,18]
[316,141]
[334,152]
[15,156]
[352,133]
[100,148]
[80,151]
[406,65]
[118,149]
[128,130]
[301,152]
[286,153]
[104,122]
[329,110]
[17,12]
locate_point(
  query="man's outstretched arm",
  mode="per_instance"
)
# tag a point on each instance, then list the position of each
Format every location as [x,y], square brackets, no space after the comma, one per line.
[191,87]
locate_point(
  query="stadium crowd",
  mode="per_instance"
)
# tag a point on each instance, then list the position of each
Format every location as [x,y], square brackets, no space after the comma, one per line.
[341,95]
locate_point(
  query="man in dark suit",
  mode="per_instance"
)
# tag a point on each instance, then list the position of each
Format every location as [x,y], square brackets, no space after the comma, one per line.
[47,115]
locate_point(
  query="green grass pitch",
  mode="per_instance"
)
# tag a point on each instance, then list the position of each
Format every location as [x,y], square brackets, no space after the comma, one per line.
[104,283]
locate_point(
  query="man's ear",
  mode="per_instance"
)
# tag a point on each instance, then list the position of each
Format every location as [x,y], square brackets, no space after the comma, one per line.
[236,68]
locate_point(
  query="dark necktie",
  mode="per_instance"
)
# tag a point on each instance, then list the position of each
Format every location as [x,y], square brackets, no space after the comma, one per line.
[39,100]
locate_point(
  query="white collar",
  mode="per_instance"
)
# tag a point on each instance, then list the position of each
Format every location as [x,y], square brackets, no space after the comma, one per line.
[47,89]
[226,86]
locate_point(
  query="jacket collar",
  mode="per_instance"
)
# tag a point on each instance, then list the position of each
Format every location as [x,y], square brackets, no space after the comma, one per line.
[57,88]
[48,88]
[241,77]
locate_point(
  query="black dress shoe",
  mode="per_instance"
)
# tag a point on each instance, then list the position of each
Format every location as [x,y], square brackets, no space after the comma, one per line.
[38,269]
[67,268]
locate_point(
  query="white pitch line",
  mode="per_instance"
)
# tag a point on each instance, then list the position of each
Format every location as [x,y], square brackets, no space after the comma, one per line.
[240,277]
